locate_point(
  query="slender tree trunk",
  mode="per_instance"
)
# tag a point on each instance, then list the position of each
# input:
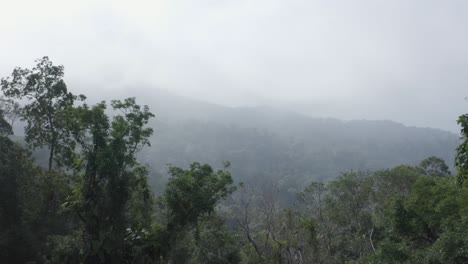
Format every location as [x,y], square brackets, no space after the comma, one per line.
[51,155]
[53,144]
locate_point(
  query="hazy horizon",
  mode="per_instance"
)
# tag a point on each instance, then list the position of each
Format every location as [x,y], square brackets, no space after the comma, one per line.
[377,60]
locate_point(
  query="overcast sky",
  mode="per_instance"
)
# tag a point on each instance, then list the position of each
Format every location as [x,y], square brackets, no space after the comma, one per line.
[377,59]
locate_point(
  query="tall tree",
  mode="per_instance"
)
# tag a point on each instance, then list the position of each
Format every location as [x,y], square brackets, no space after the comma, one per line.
[106,168]
[28,207]
[190,195]
[46,96]
[434,166]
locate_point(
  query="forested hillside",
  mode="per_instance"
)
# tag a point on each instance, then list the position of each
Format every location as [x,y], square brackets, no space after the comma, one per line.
[91,200]
[266,143]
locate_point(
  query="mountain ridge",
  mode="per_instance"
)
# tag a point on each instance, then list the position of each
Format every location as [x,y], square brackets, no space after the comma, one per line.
[264,142]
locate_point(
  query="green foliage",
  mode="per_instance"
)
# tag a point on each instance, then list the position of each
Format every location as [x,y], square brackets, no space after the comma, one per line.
[190,196]
[195,192]
[215,243]
[11,110]
[349,208]
[142,245]
[14,172]
[47,97]
[65,249]
[208,242]
[434,166]
[30,201]
[8,112]
[392,216]
[5,127]
[108,179]
[389,252]
[431,221]
[461,160]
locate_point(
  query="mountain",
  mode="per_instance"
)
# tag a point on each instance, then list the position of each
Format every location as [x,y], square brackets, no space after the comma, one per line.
[272,144]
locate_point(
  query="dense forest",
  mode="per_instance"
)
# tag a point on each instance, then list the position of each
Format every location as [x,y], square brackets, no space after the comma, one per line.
[85,184]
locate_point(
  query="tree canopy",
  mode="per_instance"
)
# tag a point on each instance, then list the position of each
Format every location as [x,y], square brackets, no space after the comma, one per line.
[47,98]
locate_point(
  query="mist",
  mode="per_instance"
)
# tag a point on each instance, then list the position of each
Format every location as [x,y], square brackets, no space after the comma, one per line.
[405,61]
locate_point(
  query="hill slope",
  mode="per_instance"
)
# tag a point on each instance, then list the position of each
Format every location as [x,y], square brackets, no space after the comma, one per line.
[268,143]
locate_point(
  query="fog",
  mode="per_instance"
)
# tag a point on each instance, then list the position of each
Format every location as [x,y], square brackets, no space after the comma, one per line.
[405,61]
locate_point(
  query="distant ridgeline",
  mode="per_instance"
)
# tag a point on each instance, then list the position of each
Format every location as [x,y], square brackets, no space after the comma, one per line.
[270,144]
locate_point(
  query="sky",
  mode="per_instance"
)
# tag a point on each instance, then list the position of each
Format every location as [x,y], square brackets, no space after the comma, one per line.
[401,60]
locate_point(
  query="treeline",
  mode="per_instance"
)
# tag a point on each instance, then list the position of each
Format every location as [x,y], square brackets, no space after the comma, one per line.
[92,202]
[401,215]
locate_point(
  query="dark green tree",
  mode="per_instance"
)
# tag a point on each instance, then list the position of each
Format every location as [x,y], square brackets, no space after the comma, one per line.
[191,195]
[28,207]
[214,243]
[194,192]
[434,166]
[11,110]
[47,97]
[107,170]
[5,127]
[426,226]
[16,245]
[461,159]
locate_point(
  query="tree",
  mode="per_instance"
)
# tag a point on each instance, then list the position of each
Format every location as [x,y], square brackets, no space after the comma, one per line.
[5,127]
[434,166]
[28,211]
[426,226]
[350,211]
[11,110]
[106,168]
[190,195]
[312,205]
[47,98]
[215,243]
[461,159]
[246,215]
[13,170]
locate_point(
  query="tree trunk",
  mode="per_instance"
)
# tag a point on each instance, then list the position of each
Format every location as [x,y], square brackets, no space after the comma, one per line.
[51,155]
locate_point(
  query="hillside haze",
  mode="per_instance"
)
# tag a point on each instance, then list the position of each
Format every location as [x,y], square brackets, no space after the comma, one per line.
[266,143]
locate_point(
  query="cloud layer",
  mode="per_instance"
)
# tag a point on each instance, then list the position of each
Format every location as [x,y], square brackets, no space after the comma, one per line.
[375,59]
